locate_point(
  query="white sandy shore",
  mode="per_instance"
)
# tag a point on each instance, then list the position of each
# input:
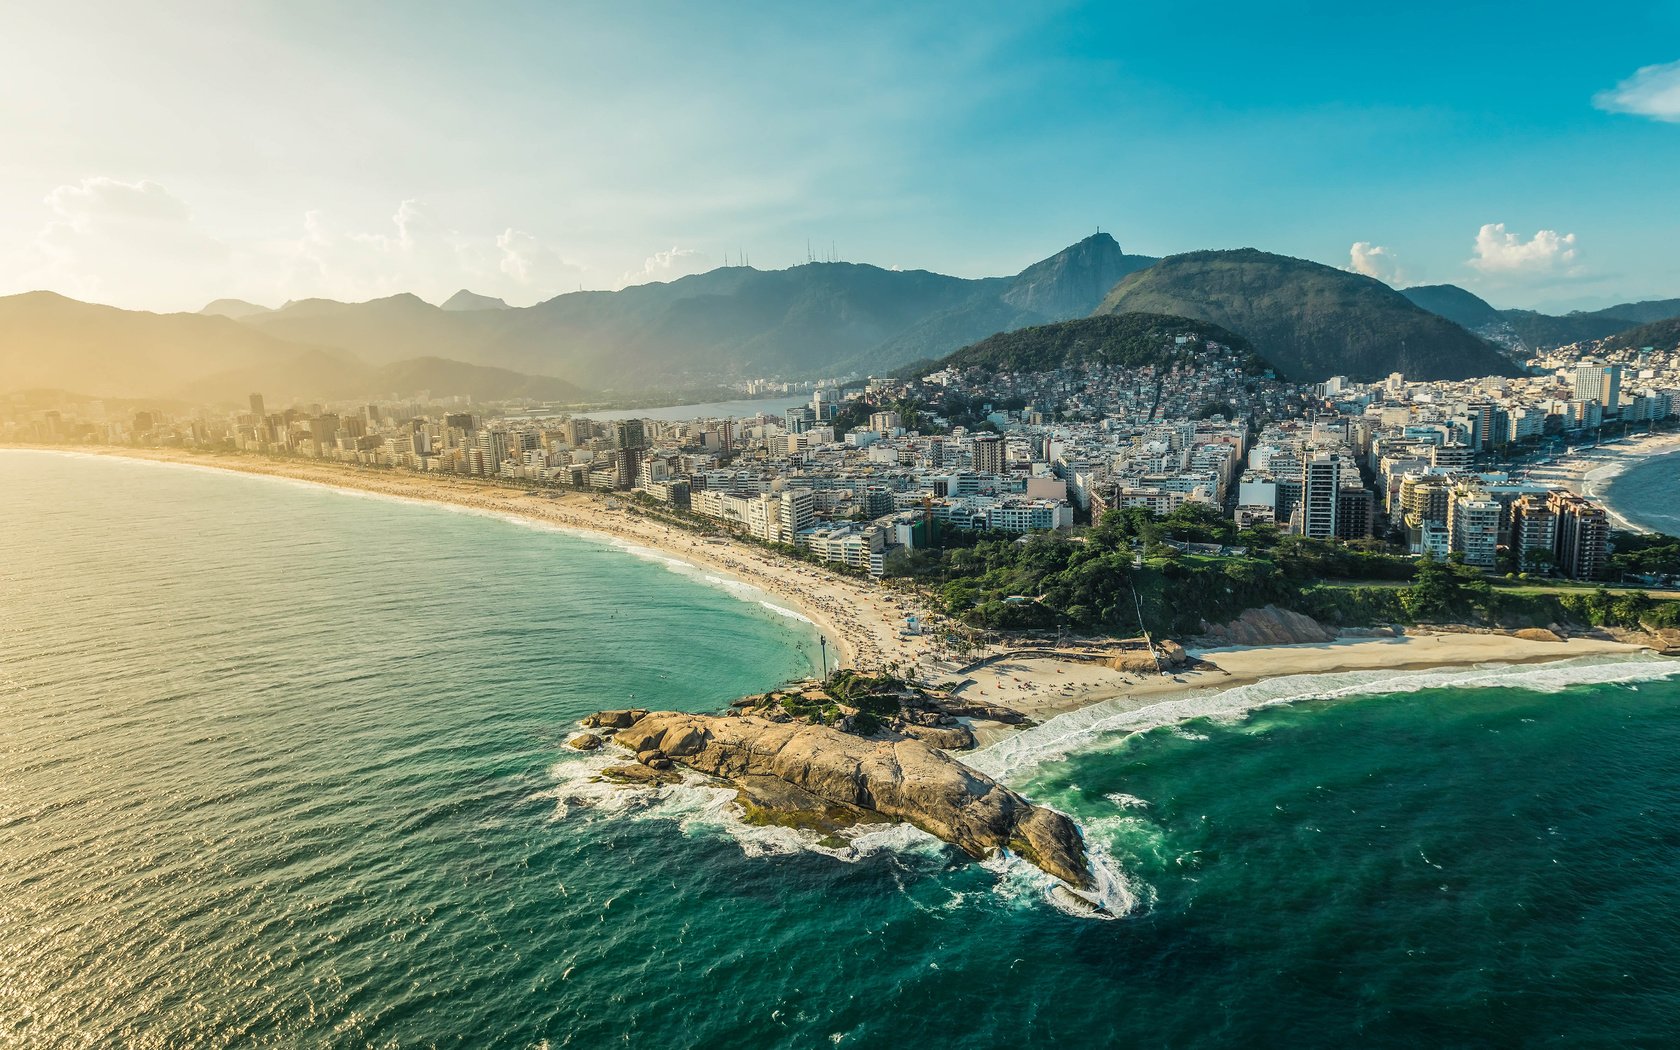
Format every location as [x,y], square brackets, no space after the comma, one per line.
[1588,471]
[862,618]
[1042,689]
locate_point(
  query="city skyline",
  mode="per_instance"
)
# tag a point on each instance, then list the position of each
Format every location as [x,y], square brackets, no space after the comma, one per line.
[422,149]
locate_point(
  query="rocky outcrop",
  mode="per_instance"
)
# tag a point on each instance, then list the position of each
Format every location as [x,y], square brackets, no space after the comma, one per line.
[902,779]
[1268,626]
[584,742]
[613,719]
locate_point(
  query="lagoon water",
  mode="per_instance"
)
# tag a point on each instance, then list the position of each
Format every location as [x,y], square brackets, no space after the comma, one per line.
[281,766]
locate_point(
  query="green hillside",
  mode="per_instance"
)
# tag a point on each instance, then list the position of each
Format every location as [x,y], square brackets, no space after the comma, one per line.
[1134,340]
[1663,335]
[1310,321]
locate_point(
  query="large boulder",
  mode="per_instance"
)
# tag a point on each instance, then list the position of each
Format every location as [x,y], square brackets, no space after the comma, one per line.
[904,779]
[613,719]
[1267,626]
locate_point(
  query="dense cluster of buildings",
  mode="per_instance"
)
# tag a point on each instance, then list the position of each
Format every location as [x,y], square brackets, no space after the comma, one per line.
[1405,461]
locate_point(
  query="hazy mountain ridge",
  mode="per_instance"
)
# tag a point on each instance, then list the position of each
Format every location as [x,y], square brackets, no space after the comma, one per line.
[237,309]
[326,375]
[813,319]
[1309,320]
[468,300]
[50,341]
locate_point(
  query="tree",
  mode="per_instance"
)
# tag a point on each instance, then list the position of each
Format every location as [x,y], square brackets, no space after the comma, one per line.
[1539,559]
[1445,590]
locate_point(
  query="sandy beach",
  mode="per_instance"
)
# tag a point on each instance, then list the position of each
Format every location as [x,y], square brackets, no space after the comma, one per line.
[1588,471]
[1043,689]
[862,619]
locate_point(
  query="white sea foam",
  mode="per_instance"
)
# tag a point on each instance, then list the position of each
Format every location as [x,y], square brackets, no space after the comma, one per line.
[701,805]
[1125,801]
[1015,757]
[1113,893]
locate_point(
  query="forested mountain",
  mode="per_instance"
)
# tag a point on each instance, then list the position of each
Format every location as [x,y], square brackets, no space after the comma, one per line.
[1663,335]
[1465,309]
[1530,328]
[1310,321]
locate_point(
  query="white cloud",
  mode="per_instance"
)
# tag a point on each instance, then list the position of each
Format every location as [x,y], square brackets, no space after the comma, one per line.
[1500,252]
[106,238]
[139,245]
[529,262]
[1652,91]
[423,254]
[667,265]
[1373,260]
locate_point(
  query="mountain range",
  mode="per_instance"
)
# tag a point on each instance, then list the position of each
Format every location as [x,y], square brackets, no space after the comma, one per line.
[1530,330]
[819,319]
[50,341]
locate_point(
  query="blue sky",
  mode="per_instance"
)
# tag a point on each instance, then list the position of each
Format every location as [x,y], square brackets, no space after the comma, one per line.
[162,155]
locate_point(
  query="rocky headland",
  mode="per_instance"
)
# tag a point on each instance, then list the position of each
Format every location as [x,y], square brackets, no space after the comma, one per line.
[800,772]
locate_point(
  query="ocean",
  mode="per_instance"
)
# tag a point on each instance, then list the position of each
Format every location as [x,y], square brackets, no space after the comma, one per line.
[1647,493]
[283,766]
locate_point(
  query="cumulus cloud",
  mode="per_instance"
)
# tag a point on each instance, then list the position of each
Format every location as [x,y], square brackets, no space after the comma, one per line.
[1652,91]
[113,240]
[667,265]
[1499,252]
[1373,260]
[420,252]
[140,245]
[530,262]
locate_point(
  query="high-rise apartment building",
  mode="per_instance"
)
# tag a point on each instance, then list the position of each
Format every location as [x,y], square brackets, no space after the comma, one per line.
[988,454]
[1473,525]
[1533,528]
[1320,496]
[493,446]
[1600,383]
[1583,537]
[629,444]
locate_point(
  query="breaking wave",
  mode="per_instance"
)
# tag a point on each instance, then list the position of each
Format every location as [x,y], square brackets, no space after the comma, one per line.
[1015,757]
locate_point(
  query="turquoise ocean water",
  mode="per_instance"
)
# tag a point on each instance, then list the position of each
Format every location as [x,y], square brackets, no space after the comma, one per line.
[281,766]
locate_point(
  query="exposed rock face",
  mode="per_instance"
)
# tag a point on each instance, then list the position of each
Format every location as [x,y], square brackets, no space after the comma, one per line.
[585,742]
[613,719]
[906,780]
[1268,626]
[945,738]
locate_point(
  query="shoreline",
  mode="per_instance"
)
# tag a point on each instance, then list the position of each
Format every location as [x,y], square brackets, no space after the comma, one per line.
[1587,472]
[1046,691]
[829,602]
[861,619]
